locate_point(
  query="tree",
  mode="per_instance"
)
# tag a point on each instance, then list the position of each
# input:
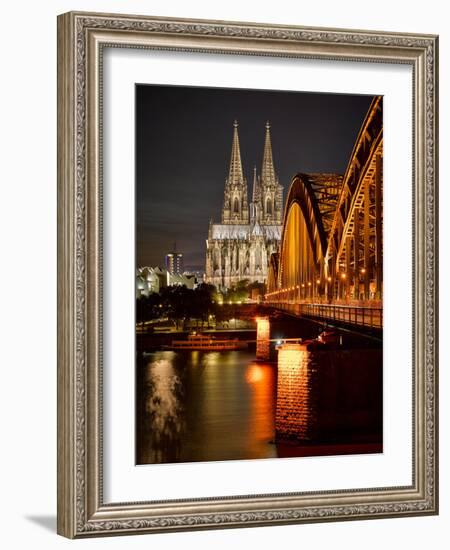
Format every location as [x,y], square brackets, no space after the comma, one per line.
[178,303]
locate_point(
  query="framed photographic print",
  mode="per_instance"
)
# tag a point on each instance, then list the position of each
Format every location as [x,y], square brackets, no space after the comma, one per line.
[246,280]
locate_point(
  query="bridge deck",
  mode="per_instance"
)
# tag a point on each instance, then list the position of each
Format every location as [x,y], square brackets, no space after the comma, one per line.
[359,316]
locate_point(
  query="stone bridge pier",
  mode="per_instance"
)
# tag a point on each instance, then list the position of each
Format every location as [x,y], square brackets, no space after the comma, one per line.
[262,338]
[296,410]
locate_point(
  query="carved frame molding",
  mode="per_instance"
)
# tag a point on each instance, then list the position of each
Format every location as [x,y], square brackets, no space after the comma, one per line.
[81,39]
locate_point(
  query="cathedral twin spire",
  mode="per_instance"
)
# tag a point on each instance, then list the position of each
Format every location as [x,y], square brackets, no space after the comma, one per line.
[268,170]
[267,194]
[236,175]
[235,203]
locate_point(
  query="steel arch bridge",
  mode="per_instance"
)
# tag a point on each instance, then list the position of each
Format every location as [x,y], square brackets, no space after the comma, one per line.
[332,238]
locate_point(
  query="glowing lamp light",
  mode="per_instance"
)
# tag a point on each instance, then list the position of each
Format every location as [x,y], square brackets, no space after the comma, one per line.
[329,279]
[343,275]
[303,285]
[309,283]
[318,281]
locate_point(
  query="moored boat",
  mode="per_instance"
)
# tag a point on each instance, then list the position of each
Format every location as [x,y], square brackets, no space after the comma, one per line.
[330,336]
[204,342]
[327,339]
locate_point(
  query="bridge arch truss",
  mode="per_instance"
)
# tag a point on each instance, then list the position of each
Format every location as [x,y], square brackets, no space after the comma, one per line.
[331,246]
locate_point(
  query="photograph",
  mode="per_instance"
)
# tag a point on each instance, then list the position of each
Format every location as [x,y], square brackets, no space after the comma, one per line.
[259,274]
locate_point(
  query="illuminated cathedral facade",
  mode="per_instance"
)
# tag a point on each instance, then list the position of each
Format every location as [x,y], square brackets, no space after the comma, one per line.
[241,245]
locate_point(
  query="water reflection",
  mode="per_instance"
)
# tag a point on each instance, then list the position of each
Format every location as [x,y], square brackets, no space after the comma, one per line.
[198,406]
[164,405]
[195,406]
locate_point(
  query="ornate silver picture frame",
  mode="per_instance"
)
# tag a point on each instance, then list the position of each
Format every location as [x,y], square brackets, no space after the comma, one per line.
[82,40]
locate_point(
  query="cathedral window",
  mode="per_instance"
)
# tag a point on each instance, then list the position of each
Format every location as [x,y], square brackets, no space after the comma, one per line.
[268,206]
[258,257]
[236,206]
[216,259]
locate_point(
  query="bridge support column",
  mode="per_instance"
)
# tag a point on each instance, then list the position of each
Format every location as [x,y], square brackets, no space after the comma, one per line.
[262,338]
[296,410]
[367,266]
[356,252]
[378,230]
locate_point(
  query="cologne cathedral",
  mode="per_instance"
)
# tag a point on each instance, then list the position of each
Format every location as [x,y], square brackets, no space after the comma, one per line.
[241,245]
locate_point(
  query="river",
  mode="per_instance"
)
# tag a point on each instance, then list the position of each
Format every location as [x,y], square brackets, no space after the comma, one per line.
[205,406]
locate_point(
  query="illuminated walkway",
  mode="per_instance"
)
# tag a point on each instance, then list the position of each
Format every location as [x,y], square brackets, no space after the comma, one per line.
[370,317]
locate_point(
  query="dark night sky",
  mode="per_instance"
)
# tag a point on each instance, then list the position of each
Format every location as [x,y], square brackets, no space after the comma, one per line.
[183,138]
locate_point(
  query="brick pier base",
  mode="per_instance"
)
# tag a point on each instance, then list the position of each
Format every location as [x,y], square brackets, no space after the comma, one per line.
[296,410]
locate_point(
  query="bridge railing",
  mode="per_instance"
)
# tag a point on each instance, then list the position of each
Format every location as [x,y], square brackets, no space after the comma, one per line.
[370,317]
